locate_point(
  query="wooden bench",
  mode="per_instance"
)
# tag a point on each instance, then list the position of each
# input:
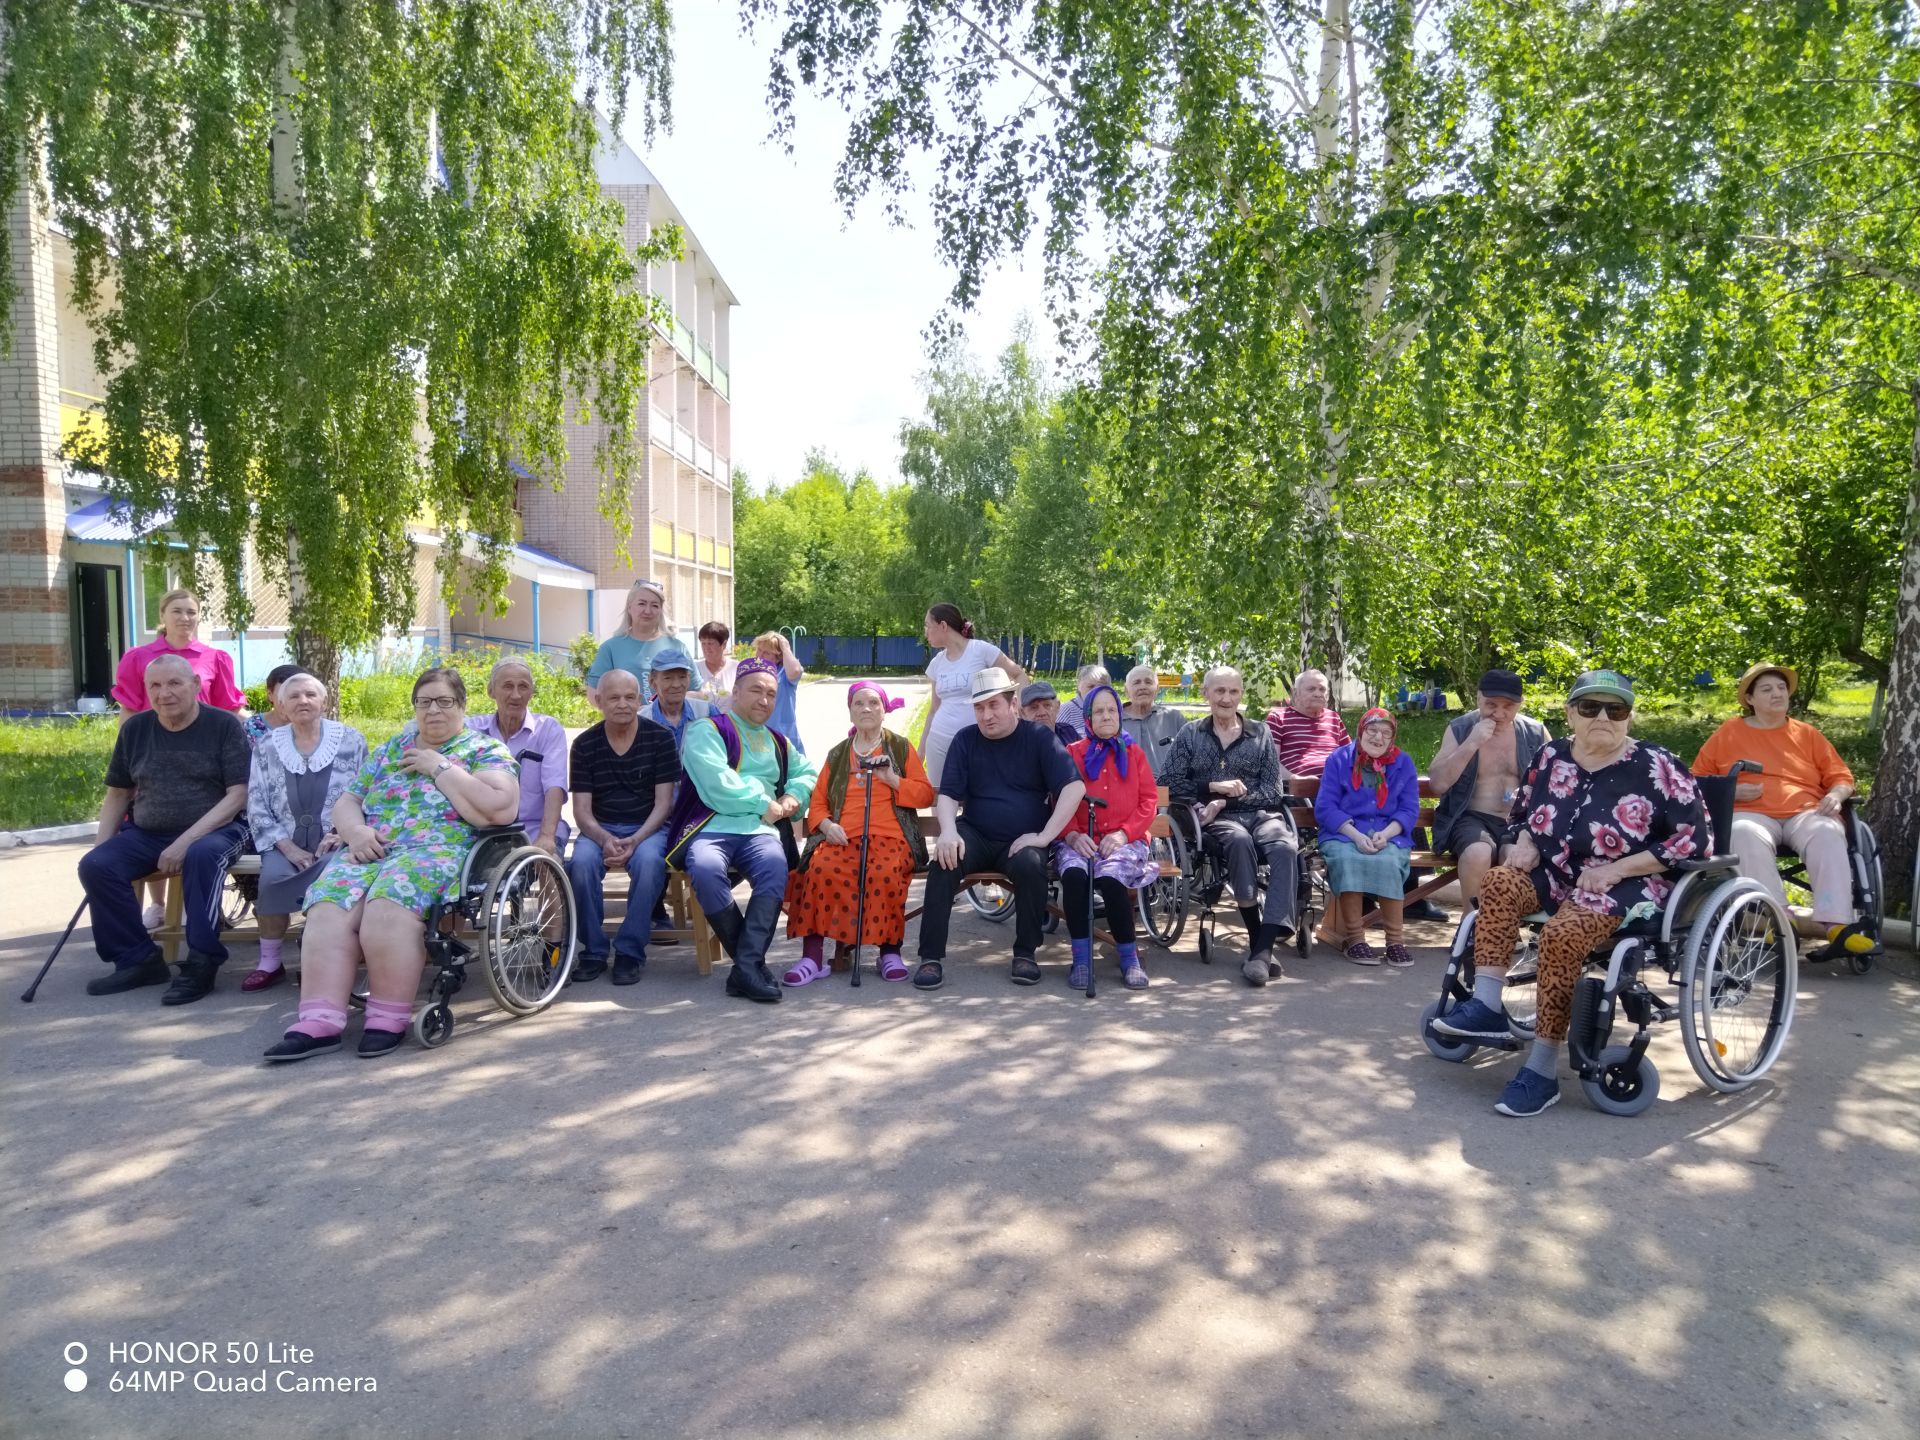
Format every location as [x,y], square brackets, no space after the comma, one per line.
[172,933]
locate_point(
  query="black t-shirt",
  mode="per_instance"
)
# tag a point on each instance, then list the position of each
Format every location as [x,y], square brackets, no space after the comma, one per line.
[622,785]
[178,775]
[1006,788]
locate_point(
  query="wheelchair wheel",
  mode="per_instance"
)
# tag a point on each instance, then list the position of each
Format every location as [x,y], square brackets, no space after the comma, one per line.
[991,902]
[237,895]
[1519,995]
[1439,1046]
[1870,879]
[1163,904]
[1314,895]
[433,1026]
[1625,1086]
[528,931]
[1738,990]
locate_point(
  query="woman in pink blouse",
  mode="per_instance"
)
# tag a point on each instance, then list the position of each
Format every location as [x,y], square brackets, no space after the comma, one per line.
[179,627]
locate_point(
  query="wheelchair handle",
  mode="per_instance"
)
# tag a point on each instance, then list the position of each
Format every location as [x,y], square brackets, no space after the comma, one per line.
[1746,767]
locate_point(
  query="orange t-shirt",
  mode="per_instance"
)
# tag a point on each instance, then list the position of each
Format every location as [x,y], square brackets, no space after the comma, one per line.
[915,793]
[1799,764]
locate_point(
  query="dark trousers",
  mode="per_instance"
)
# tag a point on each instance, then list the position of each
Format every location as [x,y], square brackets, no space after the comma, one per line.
[107,873]
[1027,871]
[1246,838]
[1119,901]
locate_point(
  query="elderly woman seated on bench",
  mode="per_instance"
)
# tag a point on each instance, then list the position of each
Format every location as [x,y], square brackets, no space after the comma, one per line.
[1366,808]
[300,771]
[1119,776]
[406,824]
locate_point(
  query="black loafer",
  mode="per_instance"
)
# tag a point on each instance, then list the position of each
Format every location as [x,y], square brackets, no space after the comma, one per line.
[588,970]
[152,971]
[1025,970]
[380,1042]
[296,1046]
[930,976]
[627,971]
[194,982]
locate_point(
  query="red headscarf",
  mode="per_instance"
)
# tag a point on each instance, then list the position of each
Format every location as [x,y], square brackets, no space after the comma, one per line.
[1364,761]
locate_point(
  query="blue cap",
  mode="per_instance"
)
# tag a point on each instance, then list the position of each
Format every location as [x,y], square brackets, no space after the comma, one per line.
[671,657]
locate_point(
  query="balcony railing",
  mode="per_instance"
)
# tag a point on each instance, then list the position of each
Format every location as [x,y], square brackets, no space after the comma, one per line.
[702,359]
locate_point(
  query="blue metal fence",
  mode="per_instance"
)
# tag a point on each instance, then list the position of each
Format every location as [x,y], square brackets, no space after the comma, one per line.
[909,652]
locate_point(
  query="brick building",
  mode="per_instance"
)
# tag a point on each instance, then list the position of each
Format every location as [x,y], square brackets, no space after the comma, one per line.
[78,586]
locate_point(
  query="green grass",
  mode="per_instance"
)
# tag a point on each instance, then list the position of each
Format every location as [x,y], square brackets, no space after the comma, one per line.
[51,772]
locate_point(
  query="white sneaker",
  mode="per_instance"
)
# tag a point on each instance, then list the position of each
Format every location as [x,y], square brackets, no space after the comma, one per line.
[153,917]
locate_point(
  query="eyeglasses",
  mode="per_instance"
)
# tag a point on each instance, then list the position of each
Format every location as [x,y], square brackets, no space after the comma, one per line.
[436,702]
[1616,709]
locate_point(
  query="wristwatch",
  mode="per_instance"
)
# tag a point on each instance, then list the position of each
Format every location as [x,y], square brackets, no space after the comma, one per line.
[442,768]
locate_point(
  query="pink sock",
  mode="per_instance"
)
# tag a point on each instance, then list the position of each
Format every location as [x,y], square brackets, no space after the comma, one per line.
[392,1015]
[319,1018]
[269,956]
[814,948]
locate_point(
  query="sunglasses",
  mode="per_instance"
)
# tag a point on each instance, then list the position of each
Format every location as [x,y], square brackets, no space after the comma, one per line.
[1615,709]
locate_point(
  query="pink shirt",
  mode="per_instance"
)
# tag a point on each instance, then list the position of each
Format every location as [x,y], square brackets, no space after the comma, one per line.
[214,667]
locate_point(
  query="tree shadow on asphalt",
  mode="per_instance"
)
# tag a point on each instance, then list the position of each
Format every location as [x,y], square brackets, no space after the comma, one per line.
[985,1212]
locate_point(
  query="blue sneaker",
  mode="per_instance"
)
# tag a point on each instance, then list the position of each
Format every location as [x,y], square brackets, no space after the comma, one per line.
[1528,1093]
[1474,1020]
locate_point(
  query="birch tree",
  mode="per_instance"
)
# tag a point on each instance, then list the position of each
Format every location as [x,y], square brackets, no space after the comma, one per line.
[348,264]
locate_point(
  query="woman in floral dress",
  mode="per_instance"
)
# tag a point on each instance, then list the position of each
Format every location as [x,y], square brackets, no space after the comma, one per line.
[1598,821]
[406,825]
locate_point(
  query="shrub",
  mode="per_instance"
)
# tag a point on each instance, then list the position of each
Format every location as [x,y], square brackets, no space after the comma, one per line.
[387,694]
[581,653]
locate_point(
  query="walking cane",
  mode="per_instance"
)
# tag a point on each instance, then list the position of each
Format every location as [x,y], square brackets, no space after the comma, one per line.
[28,997]
[880,760]
[1092,861]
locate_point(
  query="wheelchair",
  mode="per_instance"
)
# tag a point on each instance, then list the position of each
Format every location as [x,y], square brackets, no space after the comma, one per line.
[514,910]
[1726,946]
[1203,881]
[1869,891]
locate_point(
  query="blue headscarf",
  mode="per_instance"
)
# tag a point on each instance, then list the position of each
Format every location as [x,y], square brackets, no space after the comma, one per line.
[1097,749]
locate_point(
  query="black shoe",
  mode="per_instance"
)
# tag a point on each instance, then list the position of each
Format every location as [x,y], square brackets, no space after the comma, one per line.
[151,971]
[627,970]
[1427,910]
[296,1046]
[380,1042]
[1025,970]
[929,976]
[744,981]
[588,970]
[194,982]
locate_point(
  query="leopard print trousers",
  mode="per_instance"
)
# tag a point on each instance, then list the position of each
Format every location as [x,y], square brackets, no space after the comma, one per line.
[1506,898]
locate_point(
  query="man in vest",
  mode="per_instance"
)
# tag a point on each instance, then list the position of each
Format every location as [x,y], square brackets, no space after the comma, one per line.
[1476,773]
[744,781]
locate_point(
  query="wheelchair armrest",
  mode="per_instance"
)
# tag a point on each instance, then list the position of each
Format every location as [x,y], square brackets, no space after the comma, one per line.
[1719,863]
[498,832]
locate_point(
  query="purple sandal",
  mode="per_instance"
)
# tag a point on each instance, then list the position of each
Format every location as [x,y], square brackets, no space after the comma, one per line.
[892,967]
[804,971]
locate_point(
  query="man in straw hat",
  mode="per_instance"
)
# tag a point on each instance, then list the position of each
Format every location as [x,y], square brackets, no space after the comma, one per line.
[1007,790]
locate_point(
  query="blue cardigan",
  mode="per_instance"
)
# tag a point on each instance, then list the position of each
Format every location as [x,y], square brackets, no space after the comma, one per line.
[1338,802]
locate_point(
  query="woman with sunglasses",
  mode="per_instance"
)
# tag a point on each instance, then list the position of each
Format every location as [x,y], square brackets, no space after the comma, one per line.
[1599,819]
[405,825]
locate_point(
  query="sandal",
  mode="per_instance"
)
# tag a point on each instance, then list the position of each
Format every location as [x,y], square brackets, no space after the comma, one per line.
[1399,957]
[804,971]
[892,967]
[1361,953]
[929,976]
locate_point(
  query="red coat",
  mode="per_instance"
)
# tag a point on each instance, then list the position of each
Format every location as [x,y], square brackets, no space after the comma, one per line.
[1131,802]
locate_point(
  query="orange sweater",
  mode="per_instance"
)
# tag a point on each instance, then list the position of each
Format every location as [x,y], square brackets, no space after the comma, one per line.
[915,794]
[1799,764]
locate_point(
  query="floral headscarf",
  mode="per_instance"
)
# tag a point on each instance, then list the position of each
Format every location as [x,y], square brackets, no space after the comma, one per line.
[1377,764]
[1097,749]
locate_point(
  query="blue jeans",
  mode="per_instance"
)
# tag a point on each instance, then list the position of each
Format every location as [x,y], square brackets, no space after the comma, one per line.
[759,857]
[647,874]
[107,873]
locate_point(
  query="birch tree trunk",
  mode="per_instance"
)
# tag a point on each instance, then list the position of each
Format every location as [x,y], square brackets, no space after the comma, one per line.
[1894,810]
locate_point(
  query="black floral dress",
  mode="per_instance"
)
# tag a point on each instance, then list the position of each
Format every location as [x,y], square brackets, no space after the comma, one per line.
[1644,800]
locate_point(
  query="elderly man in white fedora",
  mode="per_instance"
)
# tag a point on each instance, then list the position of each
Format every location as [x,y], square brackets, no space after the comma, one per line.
[1006,792]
